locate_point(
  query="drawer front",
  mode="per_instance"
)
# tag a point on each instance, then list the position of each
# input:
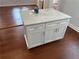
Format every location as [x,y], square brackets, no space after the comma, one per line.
[56,24]
[38,27]
[52,25]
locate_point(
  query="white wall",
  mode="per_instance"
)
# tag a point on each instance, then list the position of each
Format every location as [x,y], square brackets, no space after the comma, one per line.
[71,7]
[16,2]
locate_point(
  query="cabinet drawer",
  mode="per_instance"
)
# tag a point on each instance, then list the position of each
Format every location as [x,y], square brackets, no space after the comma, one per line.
[51,25]
[38,27]
[56,24]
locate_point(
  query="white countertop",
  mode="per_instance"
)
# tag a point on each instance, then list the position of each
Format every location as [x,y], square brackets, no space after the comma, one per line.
[44,15]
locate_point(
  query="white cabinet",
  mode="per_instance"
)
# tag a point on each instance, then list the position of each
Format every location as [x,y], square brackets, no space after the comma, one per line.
[44,33]
[46,26]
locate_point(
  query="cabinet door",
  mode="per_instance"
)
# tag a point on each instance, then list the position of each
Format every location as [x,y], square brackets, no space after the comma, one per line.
[35,39]
[51,29]
[35,35]
[62,29]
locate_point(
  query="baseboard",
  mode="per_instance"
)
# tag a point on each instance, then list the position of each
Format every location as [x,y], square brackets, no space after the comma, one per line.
[17,5]
[74,27]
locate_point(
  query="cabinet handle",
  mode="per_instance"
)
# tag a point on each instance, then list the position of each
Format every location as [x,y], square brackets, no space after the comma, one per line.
[56,30]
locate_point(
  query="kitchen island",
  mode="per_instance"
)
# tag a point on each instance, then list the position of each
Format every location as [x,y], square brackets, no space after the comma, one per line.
[47,26]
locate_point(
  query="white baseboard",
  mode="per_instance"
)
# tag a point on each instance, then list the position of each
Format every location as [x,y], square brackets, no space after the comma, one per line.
[74,27]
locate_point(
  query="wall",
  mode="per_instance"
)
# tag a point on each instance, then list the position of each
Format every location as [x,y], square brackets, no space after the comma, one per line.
[71,7]
[16,2]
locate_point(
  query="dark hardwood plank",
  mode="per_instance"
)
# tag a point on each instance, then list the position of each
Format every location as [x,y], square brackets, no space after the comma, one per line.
[13,46]
[10,16]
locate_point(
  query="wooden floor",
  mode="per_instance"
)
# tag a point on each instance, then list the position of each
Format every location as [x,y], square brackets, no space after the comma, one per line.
[10,16]
[13,46]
